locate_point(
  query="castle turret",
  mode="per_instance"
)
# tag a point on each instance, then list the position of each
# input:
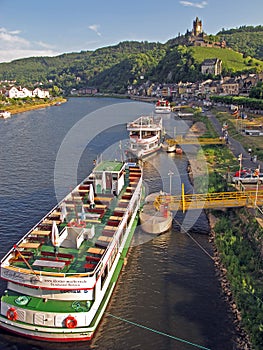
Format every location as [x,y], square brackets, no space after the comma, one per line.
[197,27]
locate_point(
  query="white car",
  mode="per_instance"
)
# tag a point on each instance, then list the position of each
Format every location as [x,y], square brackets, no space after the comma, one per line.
[251,178]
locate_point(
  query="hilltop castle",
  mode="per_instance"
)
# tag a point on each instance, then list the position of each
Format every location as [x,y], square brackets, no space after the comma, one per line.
[197,27]
[198,37]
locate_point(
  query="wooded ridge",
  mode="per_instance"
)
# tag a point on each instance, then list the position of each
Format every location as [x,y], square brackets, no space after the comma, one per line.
[113,68]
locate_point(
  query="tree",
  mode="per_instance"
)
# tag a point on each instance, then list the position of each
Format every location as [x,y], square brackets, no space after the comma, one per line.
[257,91]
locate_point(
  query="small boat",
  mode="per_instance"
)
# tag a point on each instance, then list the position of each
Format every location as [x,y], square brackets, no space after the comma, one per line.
[178,150]
[163,106]
[145,136]
[61,274]
[169,145]
[154,221]
[5,114]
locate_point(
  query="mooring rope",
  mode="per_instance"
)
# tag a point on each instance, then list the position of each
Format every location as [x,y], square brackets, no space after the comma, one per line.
[158,332]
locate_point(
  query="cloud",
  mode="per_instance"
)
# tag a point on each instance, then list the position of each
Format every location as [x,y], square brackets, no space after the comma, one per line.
[95,28]
[10,55]
[44,45]
[13,46]
[9,39]
[199,5]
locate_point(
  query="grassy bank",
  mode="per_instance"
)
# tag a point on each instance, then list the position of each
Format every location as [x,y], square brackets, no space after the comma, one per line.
[28,105]
[238,245]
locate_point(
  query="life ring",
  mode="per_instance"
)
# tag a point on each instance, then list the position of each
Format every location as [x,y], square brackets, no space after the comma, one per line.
[22,300]
[71,322]
[11,314]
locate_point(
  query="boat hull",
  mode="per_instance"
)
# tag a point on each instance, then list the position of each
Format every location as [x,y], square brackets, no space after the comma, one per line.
[162,111]
[68,305]
[153,221]
[144,154]
[154,224]
[77,334]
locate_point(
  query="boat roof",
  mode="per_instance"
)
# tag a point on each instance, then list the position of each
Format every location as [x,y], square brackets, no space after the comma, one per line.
[109,166]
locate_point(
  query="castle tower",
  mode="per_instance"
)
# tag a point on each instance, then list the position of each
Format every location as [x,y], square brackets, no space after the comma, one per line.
[197,27]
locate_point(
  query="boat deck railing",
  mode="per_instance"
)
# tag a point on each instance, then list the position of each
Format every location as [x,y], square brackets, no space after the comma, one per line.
[36,255]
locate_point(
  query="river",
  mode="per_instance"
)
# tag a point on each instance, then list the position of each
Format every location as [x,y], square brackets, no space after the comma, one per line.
[168,295]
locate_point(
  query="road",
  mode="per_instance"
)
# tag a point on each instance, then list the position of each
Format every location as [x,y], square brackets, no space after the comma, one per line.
[235,146]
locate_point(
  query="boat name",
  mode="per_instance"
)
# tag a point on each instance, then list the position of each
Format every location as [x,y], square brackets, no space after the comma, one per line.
[63,283]
[11,275]
[18,277]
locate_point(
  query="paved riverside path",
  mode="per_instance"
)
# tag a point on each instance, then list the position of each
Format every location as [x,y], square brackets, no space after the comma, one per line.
[235,146]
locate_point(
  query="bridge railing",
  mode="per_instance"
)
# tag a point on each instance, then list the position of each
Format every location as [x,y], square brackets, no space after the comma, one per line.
[209,200]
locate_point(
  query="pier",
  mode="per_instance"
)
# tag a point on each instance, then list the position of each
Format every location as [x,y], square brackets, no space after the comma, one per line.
[196,141]
[218,200]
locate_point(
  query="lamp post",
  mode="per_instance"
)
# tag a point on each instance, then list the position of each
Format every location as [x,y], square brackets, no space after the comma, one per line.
[240,163]
[170,174]
[256,197]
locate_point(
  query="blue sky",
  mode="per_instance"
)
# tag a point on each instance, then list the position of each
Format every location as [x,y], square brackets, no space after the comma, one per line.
[48,28]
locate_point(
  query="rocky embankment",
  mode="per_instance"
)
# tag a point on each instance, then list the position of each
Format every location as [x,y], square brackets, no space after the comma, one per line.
[242,339]
[198,168]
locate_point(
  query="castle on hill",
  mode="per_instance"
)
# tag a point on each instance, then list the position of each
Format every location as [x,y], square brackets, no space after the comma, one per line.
[197,37]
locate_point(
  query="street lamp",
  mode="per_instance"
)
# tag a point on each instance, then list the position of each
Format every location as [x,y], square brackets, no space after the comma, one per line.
[170,174]
[257,173]
[240,163]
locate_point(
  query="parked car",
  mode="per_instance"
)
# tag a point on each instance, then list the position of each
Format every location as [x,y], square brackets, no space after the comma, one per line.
[244,171]
[251,178]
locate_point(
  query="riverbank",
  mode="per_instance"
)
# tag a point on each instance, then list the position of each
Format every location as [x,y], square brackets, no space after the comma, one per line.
[15,109]
[196,171]
[242,338]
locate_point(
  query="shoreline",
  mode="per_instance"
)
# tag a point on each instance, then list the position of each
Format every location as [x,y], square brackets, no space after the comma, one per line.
[241,336]
[26,108]
[241,340]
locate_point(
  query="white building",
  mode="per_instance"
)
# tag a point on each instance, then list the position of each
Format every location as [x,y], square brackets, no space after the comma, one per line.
[40,93]
[19,92]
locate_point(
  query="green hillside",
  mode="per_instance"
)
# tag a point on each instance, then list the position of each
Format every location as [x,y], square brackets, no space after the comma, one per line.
[114,68]
[246,39]
[232,61]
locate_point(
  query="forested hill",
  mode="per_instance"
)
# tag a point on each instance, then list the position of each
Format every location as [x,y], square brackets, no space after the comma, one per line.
[113,68]
[245,39]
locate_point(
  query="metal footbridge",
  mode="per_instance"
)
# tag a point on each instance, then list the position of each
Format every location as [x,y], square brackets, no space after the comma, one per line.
[196,141]
[219,200]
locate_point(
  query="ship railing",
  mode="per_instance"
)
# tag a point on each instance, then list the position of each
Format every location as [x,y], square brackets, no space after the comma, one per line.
[38,274]
[96,270]
[129,210]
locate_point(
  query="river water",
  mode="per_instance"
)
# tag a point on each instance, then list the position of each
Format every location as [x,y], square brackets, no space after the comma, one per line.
[168,295]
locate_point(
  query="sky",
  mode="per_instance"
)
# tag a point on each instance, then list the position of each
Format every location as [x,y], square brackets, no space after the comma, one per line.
[52,27]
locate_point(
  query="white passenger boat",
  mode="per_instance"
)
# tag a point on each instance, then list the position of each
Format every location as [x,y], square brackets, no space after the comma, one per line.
[163,106]
[145,136]
[61,274]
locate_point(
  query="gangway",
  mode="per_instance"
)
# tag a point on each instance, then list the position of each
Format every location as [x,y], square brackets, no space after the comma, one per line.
[196,141]
[218,200]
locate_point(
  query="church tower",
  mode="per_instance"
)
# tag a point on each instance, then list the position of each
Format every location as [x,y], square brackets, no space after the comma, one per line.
[197,27]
